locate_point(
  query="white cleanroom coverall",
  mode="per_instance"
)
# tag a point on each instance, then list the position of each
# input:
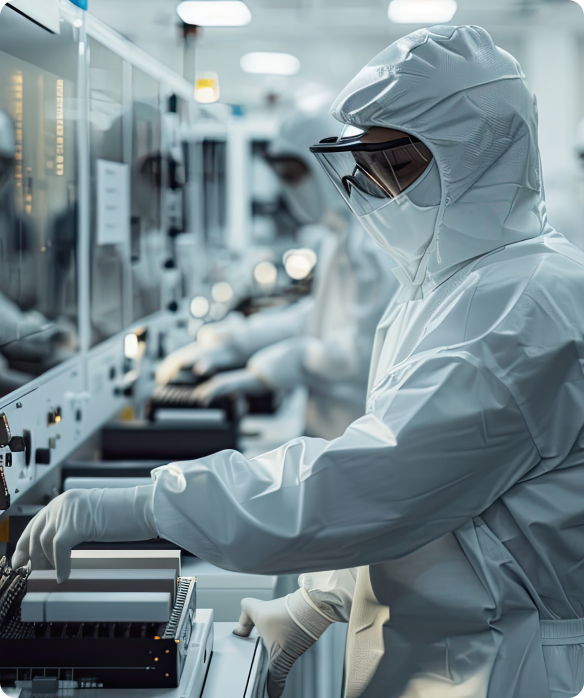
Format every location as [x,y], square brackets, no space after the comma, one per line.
[459,495]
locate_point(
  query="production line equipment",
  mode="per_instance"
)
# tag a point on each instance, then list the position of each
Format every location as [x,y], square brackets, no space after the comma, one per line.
[96,229]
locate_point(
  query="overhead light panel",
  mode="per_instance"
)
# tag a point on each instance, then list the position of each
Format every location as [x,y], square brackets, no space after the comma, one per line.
[422,11]
[214,13]
[266,63]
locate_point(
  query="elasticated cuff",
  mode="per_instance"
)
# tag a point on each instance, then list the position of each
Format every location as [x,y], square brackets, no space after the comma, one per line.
[307,616]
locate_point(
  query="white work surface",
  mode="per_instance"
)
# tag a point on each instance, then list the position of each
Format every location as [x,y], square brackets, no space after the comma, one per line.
[235,669]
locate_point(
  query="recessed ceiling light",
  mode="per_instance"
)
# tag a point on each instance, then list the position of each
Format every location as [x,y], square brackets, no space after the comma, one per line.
[267,63]
[422,11]
[214,13]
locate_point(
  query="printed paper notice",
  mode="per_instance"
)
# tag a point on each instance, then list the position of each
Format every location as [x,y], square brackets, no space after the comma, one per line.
[113,203]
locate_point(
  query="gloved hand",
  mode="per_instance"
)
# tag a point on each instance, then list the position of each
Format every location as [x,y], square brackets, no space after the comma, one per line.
[175,361]
[227,384]
[80,516]
[216,359]
[288,626]
[203,360]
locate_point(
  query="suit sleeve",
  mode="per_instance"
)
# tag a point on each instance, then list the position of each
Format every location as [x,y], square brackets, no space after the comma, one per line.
[444,438]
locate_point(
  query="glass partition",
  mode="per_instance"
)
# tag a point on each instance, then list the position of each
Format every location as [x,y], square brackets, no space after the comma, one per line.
[38,198]
[110,196]
[213,155]
[147,173]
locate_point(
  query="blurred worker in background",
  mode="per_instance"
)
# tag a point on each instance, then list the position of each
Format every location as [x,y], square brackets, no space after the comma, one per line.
[323,341]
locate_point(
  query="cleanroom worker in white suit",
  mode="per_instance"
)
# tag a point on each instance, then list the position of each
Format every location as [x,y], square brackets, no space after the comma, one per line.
[324,341]
[458,497]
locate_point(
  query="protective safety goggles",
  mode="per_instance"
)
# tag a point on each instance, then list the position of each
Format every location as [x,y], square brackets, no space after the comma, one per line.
[374,166]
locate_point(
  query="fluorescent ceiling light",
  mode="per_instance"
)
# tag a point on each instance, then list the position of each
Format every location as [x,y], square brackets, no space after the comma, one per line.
[422,11]
[580,2]
[214,13]
[270,63]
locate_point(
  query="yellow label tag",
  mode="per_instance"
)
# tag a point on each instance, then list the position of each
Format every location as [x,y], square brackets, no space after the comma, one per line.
[127,414]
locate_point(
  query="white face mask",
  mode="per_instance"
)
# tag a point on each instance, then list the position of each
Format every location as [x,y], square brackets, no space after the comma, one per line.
[305,201]
[404,229]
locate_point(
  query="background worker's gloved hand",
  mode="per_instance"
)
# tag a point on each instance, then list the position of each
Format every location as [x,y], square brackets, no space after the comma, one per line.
[83,516]
[229,383]
[203,360]
[288,626]
[177,360]
[216,359]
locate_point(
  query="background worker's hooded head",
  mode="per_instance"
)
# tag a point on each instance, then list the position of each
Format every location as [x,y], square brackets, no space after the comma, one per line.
[311,196]
[469,102]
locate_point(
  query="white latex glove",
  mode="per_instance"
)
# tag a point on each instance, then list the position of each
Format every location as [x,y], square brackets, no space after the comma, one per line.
[83,516]
[228,384]
[217,359]
[288,627]
[174,362]
[204,360]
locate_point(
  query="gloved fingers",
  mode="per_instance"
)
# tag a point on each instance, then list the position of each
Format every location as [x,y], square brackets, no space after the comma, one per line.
[62,556]
[246,621]
[173,363]
[218,357]
[204,366]
[166,371]
[245,626]
[22,553]
[206,392]
[40,545]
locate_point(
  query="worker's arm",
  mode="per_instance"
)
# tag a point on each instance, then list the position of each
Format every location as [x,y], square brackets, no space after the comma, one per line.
[231,342]
[266,328]
[444,440]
